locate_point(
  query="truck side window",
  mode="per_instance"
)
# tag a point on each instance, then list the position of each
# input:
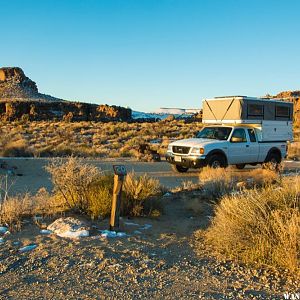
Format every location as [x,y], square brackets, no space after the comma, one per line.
[238,136]
[252,135]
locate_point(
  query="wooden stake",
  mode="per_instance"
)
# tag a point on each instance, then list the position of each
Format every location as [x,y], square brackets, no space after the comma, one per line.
[120,172]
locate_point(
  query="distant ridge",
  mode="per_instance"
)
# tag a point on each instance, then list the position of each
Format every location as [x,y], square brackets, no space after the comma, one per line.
[20,99]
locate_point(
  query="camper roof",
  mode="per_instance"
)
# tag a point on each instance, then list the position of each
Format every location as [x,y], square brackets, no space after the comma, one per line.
[246,98]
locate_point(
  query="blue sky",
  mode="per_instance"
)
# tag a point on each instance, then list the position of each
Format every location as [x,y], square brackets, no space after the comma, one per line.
[147,54]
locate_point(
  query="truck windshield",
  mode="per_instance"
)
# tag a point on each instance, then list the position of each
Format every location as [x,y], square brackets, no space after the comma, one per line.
[216,133]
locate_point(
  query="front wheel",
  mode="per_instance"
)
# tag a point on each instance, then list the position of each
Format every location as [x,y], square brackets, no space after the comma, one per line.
[217,161]
[179,169]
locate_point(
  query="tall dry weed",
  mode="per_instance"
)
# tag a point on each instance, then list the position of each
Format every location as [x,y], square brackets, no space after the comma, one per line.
[260,226]
[141,195]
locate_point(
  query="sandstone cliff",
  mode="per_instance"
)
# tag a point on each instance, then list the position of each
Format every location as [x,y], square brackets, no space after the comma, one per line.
[20,99]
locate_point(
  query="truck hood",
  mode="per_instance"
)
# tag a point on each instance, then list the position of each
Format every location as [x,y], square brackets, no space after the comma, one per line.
[196,142]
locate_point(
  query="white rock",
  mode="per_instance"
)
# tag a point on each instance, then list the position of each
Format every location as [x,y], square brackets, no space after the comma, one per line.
[69,228]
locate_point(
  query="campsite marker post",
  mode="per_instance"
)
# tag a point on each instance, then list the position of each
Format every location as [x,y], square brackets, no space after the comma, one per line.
[120,173]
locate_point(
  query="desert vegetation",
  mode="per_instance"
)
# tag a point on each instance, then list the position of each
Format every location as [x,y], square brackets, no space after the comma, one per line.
[256,217]
[96,139]
[83,189]
[89,139]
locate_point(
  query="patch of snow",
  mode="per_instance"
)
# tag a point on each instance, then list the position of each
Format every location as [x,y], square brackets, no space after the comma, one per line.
[131,224]
[1,240]
[69,228]
[167,194]
[3,229]
[137,232]
[112,234]
[45,231]
[28,248]
[145,227]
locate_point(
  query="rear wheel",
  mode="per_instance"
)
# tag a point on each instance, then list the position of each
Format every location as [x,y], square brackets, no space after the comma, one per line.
[272,162]
[179,169]
[217,161]
[240,166]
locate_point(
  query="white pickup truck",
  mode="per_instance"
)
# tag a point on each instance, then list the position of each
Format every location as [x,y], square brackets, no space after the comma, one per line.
[223,145]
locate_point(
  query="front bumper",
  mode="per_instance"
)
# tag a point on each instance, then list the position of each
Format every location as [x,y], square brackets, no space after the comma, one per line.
[190,161]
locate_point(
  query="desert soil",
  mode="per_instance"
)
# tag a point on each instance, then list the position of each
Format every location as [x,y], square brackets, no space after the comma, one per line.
[167,261]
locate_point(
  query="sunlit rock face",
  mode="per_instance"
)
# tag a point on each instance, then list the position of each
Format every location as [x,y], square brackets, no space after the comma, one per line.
[20,99]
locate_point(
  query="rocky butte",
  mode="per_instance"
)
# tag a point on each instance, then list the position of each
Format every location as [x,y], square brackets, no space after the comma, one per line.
[20,99]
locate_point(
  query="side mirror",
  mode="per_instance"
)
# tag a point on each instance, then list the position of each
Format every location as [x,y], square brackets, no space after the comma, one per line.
[236,139]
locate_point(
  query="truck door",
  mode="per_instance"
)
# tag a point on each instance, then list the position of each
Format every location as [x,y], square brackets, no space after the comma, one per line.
[239,150]
[253,145]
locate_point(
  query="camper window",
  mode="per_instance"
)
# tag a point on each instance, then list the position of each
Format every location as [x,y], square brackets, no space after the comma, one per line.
[256,110]
[282,111]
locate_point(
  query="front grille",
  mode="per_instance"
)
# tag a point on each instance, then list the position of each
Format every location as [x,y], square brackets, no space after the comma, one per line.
[181,149]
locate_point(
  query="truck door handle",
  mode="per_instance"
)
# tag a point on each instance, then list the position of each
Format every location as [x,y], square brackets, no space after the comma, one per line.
[247,146]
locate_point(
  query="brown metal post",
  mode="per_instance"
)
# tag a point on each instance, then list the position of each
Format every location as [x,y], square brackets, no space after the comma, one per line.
[116,202]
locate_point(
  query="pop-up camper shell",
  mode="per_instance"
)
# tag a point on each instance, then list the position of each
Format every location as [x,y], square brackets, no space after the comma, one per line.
[271,118]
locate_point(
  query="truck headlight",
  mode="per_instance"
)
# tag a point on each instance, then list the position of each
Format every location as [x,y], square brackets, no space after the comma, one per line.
[169,148]
[197,150]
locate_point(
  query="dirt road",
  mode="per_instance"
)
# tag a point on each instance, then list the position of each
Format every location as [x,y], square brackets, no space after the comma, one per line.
[33,176]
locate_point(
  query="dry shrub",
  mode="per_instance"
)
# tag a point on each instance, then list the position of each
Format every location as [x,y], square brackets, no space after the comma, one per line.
[260,226]
[141,195]
[294,151]
[12,210]
[81,187]
[16,148]
[258,177]
[218,182]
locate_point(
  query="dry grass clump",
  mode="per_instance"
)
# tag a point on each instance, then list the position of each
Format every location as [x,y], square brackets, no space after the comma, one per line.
[260,226]
[294,151]
[216,182]
[16,148]
[81,187]
[219,182]
[12,210]
[141,195]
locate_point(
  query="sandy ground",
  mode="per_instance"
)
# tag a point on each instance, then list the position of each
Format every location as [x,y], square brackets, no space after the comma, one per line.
[167,261]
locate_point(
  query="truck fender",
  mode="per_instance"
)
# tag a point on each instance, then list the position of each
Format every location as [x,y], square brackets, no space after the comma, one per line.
[271,151]
[216,152]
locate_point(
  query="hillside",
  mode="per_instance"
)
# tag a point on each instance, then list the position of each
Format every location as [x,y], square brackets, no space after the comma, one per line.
[20,99]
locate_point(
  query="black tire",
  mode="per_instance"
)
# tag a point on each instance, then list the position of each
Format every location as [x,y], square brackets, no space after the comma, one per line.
[240,166]
[179,169]
[217,161]
[272,162]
